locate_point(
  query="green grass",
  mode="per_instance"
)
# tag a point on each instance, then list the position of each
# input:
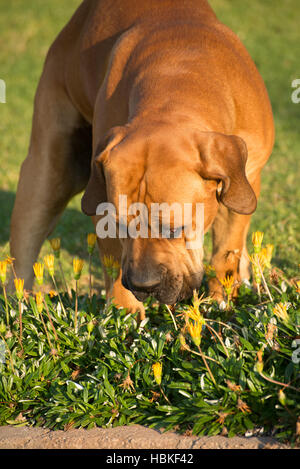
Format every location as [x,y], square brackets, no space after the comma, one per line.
[27,31]
[269,31]
[39,388]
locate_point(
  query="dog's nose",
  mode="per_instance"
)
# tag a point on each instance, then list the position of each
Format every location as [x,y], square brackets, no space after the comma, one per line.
[148,285]
[143,281]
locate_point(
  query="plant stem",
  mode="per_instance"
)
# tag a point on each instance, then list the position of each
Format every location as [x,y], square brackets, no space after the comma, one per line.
[47,335]
[258,291]
[20,325]
[13,269]
[206,364]
[173,319]
[51,322]
[63,278]
[265,284]
[90,275]
[55,286]
[279,383]
[161,390]
[220,339]
[186,347]
[6,305]
[76,305]
[220,322]
[228,303]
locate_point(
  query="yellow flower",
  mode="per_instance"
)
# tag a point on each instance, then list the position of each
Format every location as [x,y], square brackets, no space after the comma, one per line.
[3,268]
[49,263]
[195,330]
[52,293]
[39,299]
[257,238]
[192,312]
[280,310]
[227,283]
[55,244]
[10,260]
[157,371]
[91,241]
[39,272]
[297,286]
[77,267]
[19,285]
[112,266]
[196,301]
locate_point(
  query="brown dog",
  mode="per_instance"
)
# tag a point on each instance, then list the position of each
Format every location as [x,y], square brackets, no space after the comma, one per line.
[159,101]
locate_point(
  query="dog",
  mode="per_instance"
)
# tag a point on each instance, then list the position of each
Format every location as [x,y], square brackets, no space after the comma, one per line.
[160,102]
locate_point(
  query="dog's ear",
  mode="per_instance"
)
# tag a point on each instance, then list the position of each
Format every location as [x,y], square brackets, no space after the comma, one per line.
[95,192]
[223,158]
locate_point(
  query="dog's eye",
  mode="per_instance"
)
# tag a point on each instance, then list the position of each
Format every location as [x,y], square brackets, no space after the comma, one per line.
[172,233]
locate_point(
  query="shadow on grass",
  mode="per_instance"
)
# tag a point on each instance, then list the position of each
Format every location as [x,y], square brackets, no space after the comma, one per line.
[6,205]
[72,228]
[285,265]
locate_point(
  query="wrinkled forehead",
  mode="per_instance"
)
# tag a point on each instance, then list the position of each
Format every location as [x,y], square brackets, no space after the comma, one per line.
[155,183]
[172,183]
[167,195]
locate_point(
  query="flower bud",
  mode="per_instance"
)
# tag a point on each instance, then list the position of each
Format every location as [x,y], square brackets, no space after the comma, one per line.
[91,241]
[2,328]
[19,285]
[282,397]
[157,371]
[55,244]
[3,267]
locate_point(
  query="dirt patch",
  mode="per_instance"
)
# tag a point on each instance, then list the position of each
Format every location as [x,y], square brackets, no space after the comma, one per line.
[131,437]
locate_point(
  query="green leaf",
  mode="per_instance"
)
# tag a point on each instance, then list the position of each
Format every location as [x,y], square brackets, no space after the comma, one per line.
[185,394]
[180,385]
[109,389]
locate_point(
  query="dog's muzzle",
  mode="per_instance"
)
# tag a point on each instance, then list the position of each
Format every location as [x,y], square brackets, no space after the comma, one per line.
[165,287]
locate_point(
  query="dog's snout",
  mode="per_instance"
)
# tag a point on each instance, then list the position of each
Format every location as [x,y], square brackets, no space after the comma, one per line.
[145,285]
[143,281]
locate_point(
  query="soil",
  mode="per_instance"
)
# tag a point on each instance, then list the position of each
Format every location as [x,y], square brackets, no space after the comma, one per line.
[131,437]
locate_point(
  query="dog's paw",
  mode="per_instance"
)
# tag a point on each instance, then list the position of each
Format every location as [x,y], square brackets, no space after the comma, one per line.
[216,291]
[123,298]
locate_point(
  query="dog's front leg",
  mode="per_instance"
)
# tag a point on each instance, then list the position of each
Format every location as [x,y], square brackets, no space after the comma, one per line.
[229,250]
[49,176]
[230,256]
[110,250]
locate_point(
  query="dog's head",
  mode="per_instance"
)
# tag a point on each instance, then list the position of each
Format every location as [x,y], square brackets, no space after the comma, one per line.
[166,179]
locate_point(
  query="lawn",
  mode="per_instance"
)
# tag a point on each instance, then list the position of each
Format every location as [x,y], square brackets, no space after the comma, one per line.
[78,379]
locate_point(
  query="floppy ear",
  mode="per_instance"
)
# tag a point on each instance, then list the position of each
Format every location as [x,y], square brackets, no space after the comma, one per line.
[95,192]
[223,158]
